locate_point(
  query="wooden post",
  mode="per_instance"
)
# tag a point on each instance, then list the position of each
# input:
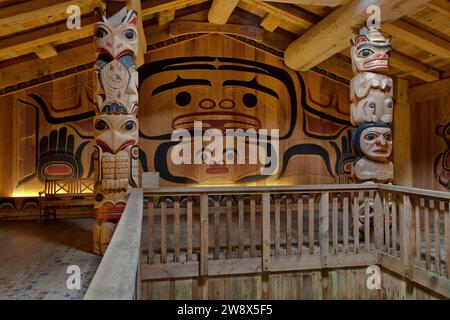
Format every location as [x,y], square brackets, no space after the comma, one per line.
[204,241]
[265,231]
[324,225]
[402,148]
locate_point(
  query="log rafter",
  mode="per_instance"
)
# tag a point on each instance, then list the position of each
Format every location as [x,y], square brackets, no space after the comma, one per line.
[45,40]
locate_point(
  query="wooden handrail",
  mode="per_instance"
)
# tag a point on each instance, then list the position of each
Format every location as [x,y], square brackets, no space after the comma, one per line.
[117,275]
[415,191]
[260,189]
[300,188]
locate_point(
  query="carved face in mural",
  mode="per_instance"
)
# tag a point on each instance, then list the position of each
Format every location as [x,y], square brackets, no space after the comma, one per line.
[376,143]
[117,36]
[222,93]
[116,133]
[370,51]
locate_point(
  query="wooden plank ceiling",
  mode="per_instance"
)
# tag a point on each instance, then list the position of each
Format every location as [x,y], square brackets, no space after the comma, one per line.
[35,42]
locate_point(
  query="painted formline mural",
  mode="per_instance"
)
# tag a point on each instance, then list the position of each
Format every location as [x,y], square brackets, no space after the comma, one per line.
[314,125]
[442,162]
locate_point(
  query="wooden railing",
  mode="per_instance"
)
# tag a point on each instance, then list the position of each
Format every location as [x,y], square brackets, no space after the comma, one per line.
[118,275]
[248,230]
[204,232]
[416,244]
[201,232]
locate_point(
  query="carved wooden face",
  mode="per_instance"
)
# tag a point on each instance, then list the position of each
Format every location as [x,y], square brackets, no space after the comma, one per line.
[115,132]
[376,143]
[371,51]
[116,36]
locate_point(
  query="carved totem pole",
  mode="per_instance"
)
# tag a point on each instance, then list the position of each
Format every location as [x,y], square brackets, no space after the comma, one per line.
[371,108]
[115,124]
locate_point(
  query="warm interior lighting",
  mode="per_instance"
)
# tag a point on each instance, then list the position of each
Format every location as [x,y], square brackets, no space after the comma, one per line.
[25,194]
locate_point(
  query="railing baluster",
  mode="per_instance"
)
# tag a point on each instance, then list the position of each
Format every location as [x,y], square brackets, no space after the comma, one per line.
[366,222]
[241,227]
[252,227]
[394,225]
[378,221]
[150,226]
[189,228]
[407,235]
[163,231]
[311,223]
[277,225]
[176,230]
[216,228]
[356,222]
[345,222]
[427,235]
[437,239]
[288,229]
[299,224]
[387,222]
[334,223]
[324,228]
[265,255]
[229,229]
[204,245]
[418,232]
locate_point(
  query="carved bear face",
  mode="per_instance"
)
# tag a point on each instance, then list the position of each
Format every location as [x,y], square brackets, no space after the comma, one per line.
[370,51]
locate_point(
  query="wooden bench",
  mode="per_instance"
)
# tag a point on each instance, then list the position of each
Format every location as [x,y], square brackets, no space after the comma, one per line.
[64,193]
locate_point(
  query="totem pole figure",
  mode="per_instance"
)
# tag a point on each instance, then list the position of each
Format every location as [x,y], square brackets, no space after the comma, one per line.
[115,124]
[371,107]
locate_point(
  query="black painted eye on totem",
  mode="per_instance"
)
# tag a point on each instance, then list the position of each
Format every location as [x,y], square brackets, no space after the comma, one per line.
[101,125]
[129,125]
[130,34]
[365,53]
[101,32]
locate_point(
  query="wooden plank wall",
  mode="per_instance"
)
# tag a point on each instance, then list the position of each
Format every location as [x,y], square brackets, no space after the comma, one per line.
[430,108]
[343,284]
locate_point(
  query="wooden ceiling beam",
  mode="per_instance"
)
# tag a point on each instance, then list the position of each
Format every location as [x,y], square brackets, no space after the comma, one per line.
[270,22]
[418,37]
[46,51]
[27,42]
[36,13]
[286,13]
[333,33]
[36,68]
[413,67]
[166,16]
[326,3]
[221,11]
[179,28]
[151,7]
[441,6]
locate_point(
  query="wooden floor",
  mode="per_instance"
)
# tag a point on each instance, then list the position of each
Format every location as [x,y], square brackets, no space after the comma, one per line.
[34,258]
